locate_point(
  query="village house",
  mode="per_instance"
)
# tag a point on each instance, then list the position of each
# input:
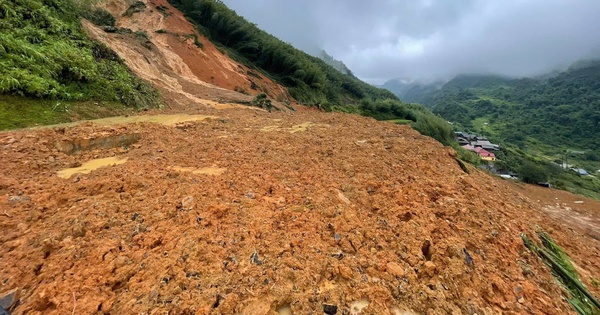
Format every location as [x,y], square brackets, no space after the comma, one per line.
[476,141]
[483,153]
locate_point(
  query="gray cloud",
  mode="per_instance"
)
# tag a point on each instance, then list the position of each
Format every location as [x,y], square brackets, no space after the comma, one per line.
[435,39]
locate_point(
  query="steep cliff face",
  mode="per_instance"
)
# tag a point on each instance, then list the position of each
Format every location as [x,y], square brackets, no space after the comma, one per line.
[161,46]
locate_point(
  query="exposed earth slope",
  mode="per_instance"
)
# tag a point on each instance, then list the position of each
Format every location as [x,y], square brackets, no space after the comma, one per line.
[172,61]
[249,212]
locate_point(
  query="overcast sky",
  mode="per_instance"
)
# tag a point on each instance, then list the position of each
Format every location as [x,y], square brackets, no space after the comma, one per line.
[427,39]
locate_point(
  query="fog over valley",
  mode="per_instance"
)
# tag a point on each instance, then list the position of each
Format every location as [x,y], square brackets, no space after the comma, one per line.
[429,40]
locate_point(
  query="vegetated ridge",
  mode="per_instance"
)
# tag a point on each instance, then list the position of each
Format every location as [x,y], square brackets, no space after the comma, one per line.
[543,121]
[45,54]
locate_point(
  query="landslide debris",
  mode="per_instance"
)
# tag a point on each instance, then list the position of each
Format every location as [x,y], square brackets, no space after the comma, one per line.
[349,216]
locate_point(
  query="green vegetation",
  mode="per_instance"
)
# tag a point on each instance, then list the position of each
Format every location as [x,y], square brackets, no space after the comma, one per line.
[45,54]
[560,264]
[100,17]
[262,101]
[422,119]
[135,7]
[196,41]
[537,121]
[21,112]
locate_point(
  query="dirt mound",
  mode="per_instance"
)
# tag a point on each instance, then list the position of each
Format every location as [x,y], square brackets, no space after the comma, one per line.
[165,49]
[318,212]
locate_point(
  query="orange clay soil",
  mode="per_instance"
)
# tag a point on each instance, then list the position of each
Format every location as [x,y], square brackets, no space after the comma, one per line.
[185,73]
[307,211]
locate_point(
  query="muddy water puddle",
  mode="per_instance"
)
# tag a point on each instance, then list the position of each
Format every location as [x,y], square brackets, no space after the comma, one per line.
[90,166]
[167,120]
[285,310]
[357,307]
[205,170]
[297,128]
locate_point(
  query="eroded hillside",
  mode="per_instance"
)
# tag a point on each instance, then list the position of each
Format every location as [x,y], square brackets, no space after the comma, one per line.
[162,47]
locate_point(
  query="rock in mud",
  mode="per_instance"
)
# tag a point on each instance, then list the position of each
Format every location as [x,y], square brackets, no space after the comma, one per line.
[429,268]
[18,199]
[187,203]
[7,300]
[337,237]
[395,269]
[330,309]
[254,259]
[468,258]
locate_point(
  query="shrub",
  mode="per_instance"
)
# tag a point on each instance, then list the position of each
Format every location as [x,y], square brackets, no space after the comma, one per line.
[262,101]
[533,173]
[135,7]
[100,17]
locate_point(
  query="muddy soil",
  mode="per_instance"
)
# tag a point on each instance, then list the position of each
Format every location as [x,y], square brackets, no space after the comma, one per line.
[252,212]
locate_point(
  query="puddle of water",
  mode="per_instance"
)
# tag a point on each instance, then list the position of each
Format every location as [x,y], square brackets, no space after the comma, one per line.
[284,310]
[357,307]
[293,129]
[217,105]
[301,127]
[204,170]
[90,166]
[167,120]
[77,145]
[270,128]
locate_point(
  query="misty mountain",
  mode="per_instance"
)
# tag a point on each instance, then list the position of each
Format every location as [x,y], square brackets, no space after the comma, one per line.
[410,91]
[336,64]
[559,111]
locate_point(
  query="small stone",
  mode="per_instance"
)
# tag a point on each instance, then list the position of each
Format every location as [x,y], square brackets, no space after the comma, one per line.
[187,203]
[250,195]
[254,258]
[135,216]
[395,269]
[337,237]
[430,268]
[345,272]
[521,300]
[17,199]
[468,258]
[7,299]
[578,202]
[330,309]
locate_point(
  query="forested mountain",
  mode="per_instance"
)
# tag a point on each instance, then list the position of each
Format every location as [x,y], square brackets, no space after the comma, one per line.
[562,111]
[336,64]
[411,91]
[539,121]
